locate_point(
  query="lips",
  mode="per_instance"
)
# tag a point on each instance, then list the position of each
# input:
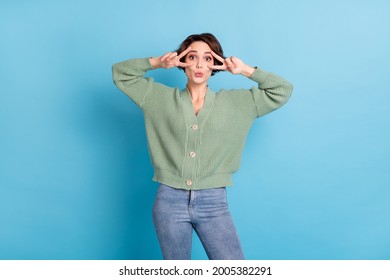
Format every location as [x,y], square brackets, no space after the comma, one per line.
[198,74]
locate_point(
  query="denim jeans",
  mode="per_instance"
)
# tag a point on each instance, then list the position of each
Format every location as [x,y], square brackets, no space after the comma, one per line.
[177,212]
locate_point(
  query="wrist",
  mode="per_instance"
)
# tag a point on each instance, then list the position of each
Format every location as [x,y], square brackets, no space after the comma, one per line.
[155,62]
[247,70]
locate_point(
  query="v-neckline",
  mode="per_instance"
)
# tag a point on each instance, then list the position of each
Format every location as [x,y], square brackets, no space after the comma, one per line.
[194,104]
[189,106]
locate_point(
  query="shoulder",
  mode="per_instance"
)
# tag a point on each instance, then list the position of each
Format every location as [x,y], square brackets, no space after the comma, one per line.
[161,95]
[239,100]
[235,95]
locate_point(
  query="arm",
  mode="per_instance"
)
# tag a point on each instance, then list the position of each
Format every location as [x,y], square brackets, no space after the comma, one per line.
[272,91]
[128,75]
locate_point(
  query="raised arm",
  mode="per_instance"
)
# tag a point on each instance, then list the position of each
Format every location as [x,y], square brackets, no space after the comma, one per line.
[272,91]
[128,75]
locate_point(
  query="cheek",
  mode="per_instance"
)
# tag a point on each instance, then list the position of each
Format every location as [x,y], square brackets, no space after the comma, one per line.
[189,71]
[211,63]
[208,69]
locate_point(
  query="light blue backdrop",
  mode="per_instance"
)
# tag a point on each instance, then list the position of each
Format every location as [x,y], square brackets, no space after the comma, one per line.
[75,175]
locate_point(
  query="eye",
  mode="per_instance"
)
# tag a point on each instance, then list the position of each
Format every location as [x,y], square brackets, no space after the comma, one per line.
[191,57]
[208,58]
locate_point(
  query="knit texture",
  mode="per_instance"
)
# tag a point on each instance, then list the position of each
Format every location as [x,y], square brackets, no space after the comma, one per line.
[201,151]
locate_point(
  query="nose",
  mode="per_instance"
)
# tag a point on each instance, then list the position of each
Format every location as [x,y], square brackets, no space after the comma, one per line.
[199,64]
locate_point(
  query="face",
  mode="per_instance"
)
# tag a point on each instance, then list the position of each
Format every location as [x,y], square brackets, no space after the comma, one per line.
[200,57]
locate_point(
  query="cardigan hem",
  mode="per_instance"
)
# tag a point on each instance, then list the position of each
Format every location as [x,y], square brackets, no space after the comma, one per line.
[213,181]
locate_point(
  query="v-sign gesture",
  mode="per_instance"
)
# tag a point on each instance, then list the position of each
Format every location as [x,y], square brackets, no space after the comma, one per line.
[232,64]
[170,60]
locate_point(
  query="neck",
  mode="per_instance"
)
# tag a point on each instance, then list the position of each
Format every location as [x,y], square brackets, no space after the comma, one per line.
[197,91]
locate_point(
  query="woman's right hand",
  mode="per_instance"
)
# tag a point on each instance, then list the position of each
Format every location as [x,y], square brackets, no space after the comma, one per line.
[170,60]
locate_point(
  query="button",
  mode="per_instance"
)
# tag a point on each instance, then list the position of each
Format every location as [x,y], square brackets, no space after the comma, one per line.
[188,182]
[192,154]
[194,127]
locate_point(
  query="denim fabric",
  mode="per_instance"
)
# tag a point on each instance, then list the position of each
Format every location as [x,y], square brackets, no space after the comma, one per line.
[177,212]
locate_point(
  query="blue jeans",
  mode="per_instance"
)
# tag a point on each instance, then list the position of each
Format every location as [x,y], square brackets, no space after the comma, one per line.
[176,212]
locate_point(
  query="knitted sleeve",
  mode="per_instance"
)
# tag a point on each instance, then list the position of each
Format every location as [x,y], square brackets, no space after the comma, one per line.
[128,76]
[272,91]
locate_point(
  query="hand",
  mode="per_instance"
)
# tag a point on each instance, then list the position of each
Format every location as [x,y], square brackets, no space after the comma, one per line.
[171,59]
[232,64]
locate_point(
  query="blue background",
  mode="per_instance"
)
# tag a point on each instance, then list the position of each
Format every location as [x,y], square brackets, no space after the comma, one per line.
[75,175]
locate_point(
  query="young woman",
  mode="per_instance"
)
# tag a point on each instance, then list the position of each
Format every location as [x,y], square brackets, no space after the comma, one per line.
[195,138]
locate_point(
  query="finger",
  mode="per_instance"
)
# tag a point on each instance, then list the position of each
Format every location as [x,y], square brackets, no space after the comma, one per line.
[183,64]
[234,61]
[229,63]
[217,67]
[165,56]
[184,53]
[172,56]
[219,58]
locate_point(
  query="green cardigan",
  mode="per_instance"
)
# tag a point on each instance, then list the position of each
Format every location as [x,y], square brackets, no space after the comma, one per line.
[201,151]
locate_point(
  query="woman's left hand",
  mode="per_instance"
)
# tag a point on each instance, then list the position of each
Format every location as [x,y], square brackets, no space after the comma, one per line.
[232,64]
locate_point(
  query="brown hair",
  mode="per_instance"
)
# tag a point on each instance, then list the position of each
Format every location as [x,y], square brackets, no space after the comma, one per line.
[209,39]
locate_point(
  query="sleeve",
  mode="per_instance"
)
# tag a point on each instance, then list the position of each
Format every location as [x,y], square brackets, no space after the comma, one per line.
[128,76]
[272,91]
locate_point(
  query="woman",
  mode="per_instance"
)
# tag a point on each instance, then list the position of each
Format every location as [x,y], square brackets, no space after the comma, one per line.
[196,138]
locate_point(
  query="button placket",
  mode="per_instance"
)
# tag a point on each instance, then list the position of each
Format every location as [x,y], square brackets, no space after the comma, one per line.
[191,153]
[190,167]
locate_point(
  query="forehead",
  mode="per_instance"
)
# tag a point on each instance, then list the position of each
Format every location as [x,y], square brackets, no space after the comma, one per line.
[200,47]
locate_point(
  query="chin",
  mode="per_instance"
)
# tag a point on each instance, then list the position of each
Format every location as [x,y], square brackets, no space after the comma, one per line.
[199,81]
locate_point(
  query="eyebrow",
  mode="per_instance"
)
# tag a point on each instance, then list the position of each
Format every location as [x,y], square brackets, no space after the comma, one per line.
[197,52]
